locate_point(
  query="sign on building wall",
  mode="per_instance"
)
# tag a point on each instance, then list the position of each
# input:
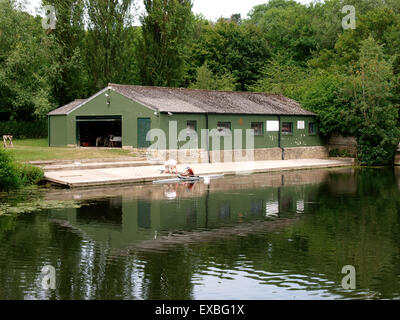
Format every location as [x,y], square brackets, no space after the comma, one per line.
[301,125]
[272,125]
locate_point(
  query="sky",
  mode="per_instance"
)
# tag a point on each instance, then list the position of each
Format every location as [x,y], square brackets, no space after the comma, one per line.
[211,9]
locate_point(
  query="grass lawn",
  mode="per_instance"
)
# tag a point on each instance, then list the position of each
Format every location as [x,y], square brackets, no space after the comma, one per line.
[37,149]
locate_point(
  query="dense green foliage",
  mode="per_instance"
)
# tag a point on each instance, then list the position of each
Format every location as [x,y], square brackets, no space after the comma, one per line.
[14,175]
[350,78]
[206,80]
[26,62]
[68,38]
[230,48]
[109,43]
[372,88]
[8,172]
[29,175]
[162,49]
[24,130]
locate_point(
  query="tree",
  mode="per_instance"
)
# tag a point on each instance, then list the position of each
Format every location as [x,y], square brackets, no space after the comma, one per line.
[287,27]
[279,76]
[70,81]
[326,23]
[26,65]
[205,80]
[167,27]
[372,94]
[109,37]
[317,90]
[379,23]
[230,48]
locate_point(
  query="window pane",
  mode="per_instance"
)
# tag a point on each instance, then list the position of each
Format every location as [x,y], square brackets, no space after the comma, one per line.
[311,128]
[287,127]
[192,125]
[224,128]
[258,128]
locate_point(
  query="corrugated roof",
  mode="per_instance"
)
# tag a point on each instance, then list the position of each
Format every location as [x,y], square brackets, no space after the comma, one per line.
[67,108]
[179,100]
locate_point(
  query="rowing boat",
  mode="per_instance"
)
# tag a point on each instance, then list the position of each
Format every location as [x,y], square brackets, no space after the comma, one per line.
[187,179]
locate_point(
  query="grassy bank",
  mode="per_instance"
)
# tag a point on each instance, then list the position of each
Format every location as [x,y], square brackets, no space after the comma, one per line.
[16,175]
[37,149]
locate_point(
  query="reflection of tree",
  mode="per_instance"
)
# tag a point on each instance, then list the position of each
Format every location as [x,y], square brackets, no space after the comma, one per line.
[90,270]
[340,226]
[361,229]
[168,275]
[7,223]
[24,245]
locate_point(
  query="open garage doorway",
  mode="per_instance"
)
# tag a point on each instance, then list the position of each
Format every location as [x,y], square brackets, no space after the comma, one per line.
[101,132]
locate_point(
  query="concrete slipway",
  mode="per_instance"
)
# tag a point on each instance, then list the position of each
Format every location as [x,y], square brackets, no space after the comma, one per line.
[101,174]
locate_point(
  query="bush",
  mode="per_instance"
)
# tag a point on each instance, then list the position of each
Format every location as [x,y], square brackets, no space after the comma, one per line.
[14,175]
[24,130]
[30,175]
[377,146]
[9,176]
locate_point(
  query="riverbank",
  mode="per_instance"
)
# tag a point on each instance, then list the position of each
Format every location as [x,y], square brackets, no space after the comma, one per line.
[78,178]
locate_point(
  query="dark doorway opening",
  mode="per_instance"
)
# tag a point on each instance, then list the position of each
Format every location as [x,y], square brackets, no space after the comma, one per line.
[107,211]
[99,132]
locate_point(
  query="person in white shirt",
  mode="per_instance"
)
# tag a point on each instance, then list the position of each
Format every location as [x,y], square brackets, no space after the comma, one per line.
[170,166]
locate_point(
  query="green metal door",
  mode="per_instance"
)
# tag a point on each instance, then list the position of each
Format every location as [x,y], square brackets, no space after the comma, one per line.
[144,214]
[144,126]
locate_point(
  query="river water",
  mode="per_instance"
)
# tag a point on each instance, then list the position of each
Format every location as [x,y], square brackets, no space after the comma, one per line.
[265,236]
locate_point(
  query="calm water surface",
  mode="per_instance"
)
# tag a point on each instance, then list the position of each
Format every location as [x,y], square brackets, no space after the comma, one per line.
[267,236]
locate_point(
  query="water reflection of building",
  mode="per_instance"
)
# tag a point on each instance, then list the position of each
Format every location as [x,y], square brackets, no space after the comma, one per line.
[305,257]
[110,213]
[141,213]
[343,181]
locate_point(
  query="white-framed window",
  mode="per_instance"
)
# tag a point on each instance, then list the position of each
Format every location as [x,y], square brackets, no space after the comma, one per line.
[191,127]
[224,128]
[287,127]
[312,128]
[258,128]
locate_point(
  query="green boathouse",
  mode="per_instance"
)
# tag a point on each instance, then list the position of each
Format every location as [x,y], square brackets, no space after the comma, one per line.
[122,115]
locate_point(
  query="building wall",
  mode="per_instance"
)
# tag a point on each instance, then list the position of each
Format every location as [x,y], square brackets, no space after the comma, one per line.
[119,106]
[243,122]
[300,137]
[343,144]
[269,139]
[58,131]
[63,128]
[181,120]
